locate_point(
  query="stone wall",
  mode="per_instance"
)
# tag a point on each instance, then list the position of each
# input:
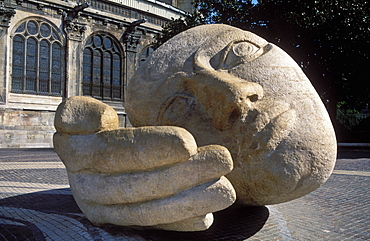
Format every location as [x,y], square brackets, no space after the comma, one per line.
[30,128]
[23,129]
[27,115]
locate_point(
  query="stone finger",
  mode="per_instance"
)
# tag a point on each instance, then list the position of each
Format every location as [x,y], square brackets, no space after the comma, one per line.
[200,223]
[125,150]
[211,162]
[197,201]
[84,115]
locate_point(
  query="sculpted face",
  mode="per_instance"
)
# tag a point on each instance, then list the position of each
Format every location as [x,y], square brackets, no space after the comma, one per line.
[230,87]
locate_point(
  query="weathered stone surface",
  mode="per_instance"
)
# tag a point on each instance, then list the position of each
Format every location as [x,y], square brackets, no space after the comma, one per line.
[84,115]
[215,86]
[197,201]
[210,163]
[153,176]
[230,87]
[125,150]
[195,224]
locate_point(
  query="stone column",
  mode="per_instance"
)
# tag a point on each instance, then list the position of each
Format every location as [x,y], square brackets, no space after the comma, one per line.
[75,32]
[131,44]
[75,36]
[6,13]
[131,40]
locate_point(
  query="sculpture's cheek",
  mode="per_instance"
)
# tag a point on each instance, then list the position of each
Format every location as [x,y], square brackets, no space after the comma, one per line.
[290,171]
[265,181]
[278,155]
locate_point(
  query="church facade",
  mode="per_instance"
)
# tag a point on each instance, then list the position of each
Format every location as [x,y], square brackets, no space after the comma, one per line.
[54,49]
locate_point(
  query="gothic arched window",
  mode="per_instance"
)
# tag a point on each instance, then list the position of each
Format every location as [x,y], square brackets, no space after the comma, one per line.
[102,68]
[38,59]
[145,54]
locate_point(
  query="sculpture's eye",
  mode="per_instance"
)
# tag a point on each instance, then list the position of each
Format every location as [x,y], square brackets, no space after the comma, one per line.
[244,49]
[239,52]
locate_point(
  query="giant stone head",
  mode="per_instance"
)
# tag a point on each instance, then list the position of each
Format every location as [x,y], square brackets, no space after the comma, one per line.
[230,87]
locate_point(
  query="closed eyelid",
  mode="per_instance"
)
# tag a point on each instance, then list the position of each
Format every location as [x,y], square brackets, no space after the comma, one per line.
[204,60]
[233,43]
[233,56]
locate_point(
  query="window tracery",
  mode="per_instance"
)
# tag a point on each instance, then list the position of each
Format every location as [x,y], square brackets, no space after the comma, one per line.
[37,59]
[102,68]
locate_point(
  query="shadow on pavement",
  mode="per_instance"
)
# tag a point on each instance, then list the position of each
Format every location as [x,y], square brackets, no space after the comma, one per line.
[45,201]
[20,227]
[234,223]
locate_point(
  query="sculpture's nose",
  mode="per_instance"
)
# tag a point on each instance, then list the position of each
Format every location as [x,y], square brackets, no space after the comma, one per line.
[225,97]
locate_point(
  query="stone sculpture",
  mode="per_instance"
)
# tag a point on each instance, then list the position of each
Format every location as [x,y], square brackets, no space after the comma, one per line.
[212,101]
[230,87]
[152,176]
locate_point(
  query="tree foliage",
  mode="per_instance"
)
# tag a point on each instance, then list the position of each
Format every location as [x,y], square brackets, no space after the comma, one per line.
[179,25]
[329,39]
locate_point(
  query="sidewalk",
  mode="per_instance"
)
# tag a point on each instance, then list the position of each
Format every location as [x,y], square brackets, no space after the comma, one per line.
[36,204]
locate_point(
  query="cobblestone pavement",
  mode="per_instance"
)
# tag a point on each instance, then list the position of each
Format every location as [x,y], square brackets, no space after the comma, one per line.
[36,204]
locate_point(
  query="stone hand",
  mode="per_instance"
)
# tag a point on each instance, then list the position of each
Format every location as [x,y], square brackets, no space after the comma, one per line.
[153,176]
